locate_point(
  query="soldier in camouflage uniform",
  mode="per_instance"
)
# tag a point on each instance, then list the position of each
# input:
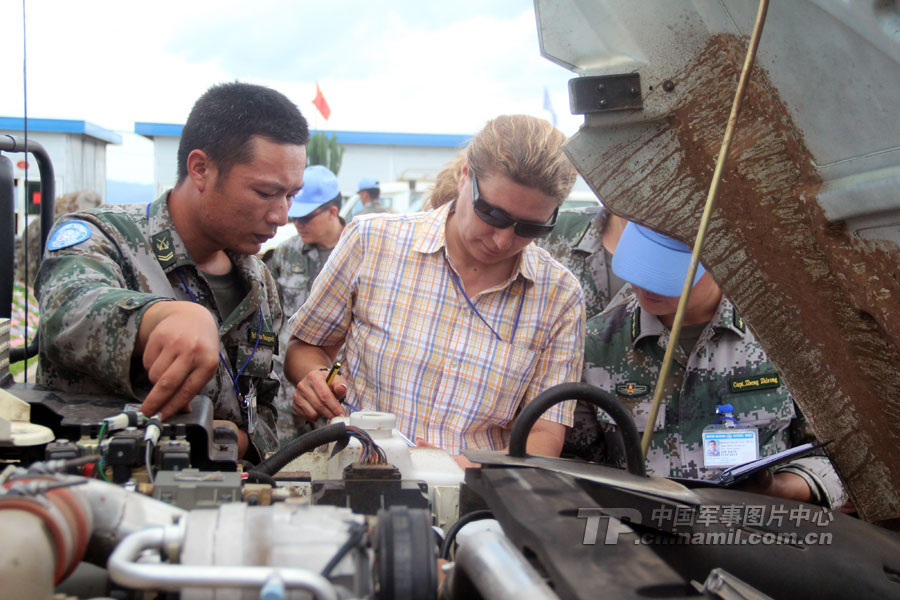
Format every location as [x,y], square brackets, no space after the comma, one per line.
[718,361]
[295,265]
[174,284]
[583,241]
[370,197]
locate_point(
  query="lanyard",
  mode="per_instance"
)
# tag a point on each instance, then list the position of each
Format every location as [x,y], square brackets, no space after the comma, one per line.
[475,310]
[245,402]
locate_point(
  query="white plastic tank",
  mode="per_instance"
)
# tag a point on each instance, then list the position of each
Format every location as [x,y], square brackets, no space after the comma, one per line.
[434,466]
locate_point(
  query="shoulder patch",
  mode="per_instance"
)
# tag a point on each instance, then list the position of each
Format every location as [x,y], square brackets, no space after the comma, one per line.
[162,248]
[69,234]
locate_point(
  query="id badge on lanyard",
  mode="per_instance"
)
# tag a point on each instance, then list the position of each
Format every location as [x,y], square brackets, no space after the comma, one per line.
[726,443]
[248,403]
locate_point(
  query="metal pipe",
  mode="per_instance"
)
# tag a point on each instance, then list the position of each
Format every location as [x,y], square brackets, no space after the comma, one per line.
[118,513]
[7,236]
[704,224]
[9,143]
[170,577]
[499,570]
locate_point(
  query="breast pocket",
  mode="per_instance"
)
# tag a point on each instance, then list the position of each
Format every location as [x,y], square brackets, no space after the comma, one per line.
[640,412]
[769,410]
[496,375]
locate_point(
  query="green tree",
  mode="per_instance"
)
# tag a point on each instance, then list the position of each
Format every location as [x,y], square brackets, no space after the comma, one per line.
[325,151]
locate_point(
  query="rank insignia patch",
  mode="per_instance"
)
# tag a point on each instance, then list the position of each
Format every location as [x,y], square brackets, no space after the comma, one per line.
[632,389]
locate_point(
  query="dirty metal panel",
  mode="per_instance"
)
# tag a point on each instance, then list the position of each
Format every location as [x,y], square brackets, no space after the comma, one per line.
[816,280]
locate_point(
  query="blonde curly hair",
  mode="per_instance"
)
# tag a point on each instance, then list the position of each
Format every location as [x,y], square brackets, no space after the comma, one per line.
[526,149]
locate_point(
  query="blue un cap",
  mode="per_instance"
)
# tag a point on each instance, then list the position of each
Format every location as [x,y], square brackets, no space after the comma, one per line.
[653,261]
[366,183]
[319,186]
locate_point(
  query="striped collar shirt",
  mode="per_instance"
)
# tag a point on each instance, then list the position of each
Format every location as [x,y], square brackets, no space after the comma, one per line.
[454,370]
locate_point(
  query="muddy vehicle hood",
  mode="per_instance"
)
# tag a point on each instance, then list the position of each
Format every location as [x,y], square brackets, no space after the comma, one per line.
[805,239]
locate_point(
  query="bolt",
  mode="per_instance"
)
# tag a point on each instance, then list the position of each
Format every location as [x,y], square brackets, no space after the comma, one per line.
[601,87]
[668,85]
[603,103]
[634,91]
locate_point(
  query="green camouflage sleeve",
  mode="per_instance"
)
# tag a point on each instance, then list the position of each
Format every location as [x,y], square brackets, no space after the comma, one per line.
[817,471]
[89,316]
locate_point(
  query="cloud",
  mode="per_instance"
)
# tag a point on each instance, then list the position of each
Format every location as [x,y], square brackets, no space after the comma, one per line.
[404,65]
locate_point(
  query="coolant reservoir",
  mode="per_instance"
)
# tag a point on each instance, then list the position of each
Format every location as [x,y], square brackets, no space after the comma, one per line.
[432,465]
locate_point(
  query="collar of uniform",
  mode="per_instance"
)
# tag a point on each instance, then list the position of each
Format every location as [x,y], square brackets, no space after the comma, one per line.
[250,269]
[727,317]
[164,237]
[648,325]
[643,324]
[591,239]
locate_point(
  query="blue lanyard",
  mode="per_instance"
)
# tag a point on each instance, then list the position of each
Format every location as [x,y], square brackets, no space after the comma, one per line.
[234,377]
[475,310]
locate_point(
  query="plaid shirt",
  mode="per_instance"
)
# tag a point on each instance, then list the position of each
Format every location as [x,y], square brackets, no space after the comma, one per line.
[416,348]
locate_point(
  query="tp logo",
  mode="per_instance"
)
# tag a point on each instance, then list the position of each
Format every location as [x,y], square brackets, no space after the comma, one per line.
[614,518]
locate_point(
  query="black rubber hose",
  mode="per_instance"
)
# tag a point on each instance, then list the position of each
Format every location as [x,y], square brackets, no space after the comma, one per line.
[304,443]
[634,459]
[450,536]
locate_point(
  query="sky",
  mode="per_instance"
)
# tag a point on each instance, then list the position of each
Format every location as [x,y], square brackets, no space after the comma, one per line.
[417,66]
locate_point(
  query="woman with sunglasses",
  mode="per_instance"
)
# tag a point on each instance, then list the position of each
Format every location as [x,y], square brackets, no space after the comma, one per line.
[452,319]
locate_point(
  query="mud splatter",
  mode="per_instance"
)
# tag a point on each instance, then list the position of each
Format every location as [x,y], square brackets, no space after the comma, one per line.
[823,303]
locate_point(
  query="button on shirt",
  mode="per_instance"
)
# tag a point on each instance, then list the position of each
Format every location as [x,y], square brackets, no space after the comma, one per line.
[416,348]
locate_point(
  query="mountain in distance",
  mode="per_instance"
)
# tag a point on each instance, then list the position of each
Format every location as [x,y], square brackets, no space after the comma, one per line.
[127,192]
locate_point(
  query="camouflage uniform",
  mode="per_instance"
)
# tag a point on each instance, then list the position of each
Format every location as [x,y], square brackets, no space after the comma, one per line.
[93,295]
[294,265]
[624,349]
[577,242]
[375,206]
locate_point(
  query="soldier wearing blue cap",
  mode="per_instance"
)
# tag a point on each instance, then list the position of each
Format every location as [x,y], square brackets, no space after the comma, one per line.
[718,361]
[295,265]
[370,195]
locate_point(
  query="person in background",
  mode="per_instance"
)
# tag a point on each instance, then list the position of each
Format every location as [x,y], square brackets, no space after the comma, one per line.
[295,265]
[452,319]
[718,361]
[163,301]
[584,241]
[370,196]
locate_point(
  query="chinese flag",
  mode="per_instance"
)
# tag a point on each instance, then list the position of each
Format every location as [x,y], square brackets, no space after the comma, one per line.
[321,103]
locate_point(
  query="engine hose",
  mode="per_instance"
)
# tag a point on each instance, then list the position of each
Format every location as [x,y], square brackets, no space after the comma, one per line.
[450,536]
[304,443]
[66,515]
[579,391]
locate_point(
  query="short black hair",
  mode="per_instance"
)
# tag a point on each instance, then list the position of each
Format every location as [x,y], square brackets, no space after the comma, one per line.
[374,193]
[225,118]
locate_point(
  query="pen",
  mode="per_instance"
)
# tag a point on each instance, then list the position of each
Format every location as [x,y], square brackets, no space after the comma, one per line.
[335,369]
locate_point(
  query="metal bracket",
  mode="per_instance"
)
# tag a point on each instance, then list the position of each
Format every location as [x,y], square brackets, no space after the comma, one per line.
[605,93]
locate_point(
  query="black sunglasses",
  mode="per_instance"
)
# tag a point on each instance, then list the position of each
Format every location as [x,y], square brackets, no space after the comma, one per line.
[307,218]
[499,218]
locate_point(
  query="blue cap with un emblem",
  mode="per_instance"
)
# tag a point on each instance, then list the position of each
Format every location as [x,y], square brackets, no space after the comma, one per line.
[366,183]
[319,186]
[653,261]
